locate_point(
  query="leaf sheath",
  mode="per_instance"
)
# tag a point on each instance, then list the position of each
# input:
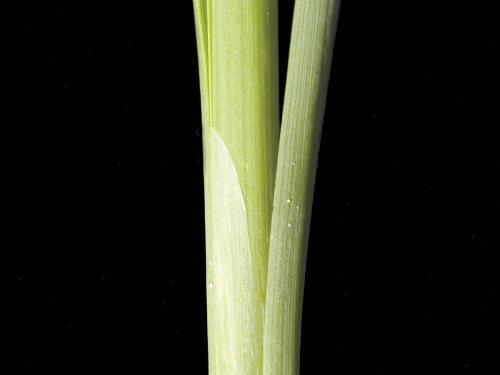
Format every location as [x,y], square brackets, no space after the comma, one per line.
[238,62]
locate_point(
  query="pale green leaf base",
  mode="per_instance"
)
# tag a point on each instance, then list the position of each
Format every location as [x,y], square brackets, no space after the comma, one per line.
[235,299]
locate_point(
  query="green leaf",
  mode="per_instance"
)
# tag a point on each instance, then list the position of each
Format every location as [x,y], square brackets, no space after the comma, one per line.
[311,48]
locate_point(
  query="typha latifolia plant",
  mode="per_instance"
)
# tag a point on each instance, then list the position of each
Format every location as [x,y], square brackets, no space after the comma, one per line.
[259,176]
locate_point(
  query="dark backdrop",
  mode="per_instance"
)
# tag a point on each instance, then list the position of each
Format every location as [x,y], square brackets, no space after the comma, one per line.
[103,237]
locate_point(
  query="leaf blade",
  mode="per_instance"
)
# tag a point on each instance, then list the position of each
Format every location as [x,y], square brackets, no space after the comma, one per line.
[311,49]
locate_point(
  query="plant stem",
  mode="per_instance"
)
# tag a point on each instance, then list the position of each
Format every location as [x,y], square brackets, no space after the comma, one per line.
[238,59]
[311,48]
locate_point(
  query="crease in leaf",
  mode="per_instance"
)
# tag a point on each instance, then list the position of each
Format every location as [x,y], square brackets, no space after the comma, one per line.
[203,24]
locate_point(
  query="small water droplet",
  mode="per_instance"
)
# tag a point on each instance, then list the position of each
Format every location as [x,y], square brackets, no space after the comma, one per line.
[288,201]
[294,163]
[272,237]
[210,284]
[289,225]
[297,207]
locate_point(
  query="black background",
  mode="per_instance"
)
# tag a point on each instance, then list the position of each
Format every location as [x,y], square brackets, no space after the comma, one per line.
[103,237]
